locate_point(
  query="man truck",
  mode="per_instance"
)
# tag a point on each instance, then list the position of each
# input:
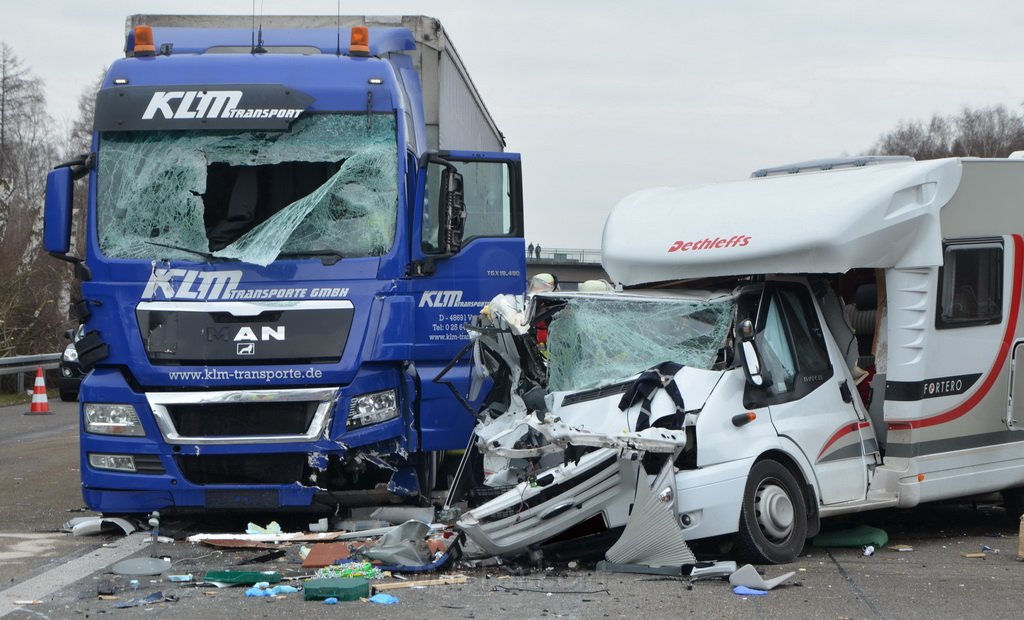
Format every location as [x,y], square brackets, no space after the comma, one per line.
[289,220]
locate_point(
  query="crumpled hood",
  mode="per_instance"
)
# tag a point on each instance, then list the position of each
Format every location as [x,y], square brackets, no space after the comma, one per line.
[598,411]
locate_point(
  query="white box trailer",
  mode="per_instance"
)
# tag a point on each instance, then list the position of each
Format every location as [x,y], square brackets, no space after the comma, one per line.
[764,420]
[456,116]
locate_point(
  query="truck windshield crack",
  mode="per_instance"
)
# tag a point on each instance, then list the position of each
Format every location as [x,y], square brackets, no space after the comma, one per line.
[327,187]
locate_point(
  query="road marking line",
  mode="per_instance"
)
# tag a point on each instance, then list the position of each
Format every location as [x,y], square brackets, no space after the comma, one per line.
[70,572]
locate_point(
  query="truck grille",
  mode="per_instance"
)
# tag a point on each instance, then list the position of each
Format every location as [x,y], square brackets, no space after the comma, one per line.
[242,419]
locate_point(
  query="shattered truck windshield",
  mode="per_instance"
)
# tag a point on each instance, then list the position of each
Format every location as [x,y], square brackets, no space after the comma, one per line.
[326,187]
[600,340]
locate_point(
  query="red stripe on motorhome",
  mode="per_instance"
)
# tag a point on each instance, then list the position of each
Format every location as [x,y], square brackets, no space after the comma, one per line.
[1004,351]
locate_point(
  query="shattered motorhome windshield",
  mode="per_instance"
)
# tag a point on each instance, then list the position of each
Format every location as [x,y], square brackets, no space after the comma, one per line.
[326,187]
[595,341]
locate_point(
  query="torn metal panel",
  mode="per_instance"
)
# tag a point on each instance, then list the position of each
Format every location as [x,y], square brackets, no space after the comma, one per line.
[653,536]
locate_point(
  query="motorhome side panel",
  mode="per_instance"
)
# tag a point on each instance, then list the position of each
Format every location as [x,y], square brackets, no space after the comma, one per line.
[951,331]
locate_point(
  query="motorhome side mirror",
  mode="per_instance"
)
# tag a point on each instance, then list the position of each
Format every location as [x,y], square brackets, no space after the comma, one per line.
[57,211]
[453,211]
[753,367]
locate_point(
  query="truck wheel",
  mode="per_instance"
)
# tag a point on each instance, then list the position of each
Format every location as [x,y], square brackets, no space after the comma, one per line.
[773,520]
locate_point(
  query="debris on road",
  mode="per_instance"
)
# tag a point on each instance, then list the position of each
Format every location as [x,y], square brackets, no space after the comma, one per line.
[94,526]
[859,536]
[749,577]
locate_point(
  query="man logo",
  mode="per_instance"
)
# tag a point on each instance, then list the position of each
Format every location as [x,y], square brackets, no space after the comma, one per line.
[245,348]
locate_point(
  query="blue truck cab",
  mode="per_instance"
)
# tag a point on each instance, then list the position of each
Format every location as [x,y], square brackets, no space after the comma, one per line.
[287,227]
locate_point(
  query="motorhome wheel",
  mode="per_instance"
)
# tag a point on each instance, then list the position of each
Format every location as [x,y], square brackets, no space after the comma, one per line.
[773,521]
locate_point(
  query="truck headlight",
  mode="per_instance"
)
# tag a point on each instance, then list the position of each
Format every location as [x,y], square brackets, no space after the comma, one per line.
[115,462]
[372,408]
[106,419]
[70,353]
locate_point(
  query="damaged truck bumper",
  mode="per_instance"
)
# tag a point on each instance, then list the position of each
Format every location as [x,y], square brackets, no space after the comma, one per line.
[188,450]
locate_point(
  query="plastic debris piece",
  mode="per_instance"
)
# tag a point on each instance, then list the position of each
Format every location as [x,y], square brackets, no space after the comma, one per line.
[180,578]
[853,537]
[401,514]
[405,545]
[987,549]
[93,526]
[155,597]
[363,570]
[749,577]
[745,591]
[141,566]
[869,550]
[443,580]
[241,577]
[272,528]
[901,547]
[319,526]
[330,601]
[342,589]
[383,598]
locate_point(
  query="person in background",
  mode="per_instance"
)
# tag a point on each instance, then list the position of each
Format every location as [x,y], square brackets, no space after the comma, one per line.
[529,251]
[538,251]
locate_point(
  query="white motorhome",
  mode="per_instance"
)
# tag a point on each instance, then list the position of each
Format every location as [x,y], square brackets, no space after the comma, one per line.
[779,299]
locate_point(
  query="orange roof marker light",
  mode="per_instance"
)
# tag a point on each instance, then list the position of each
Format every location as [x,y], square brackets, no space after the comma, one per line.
[144,45]
[359,44]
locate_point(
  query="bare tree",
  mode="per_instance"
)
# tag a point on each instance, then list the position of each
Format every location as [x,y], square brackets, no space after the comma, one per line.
[30,319]
[984,132]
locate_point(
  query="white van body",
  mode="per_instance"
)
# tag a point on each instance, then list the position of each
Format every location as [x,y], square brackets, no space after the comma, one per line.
[929,256]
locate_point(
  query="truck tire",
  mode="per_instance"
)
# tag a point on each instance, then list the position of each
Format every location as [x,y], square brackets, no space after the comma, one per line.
[773,519]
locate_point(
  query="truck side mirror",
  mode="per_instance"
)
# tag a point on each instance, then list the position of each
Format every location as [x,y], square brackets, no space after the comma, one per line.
[753,366]
[57,215]
[453,211]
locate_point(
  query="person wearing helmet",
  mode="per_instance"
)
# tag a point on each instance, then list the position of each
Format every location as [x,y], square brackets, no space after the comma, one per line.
[542,283]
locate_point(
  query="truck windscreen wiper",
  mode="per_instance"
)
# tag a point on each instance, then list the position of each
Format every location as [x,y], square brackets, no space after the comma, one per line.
[328,257]
[206,255]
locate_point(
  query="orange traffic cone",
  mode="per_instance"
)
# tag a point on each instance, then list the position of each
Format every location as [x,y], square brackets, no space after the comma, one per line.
[40,405]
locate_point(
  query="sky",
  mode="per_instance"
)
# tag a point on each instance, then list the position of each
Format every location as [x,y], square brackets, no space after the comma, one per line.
[606,98]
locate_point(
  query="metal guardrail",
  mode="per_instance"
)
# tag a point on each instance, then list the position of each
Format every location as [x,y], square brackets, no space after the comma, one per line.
[27,363]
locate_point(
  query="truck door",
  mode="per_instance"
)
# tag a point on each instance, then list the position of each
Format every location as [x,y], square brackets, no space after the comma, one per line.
[451,287]
[809,399]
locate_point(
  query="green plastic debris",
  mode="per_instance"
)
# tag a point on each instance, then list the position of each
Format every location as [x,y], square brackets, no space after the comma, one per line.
[350,569]
[854,537]
[342,588]
[242,577]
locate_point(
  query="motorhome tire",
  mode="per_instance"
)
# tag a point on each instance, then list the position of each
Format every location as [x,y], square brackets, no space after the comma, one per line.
[773,519]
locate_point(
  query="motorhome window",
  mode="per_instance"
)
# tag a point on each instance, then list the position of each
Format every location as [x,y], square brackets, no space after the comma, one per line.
[805,330]
[776,350]
[792,342]
[597,341]
[487,191]
[970,286]
[326,187]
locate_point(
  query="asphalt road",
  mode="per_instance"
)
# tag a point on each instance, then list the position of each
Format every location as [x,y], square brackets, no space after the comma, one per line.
[39,485]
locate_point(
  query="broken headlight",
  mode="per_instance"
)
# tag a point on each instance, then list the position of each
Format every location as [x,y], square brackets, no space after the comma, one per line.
[108,419]
[372,408]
